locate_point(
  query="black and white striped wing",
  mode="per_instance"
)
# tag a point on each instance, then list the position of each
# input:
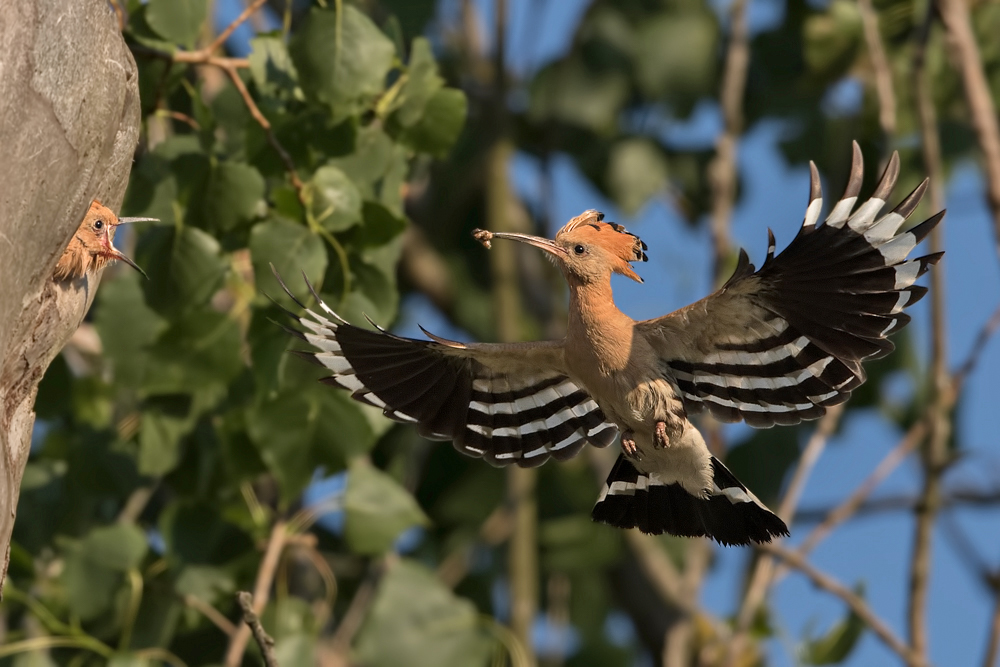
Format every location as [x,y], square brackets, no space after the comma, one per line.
[505,403]
[782,344]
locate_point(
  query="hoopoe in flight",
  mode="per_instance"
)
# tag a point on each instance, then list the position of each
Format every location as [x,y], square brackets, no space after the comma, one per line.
[92,245]
[773,346]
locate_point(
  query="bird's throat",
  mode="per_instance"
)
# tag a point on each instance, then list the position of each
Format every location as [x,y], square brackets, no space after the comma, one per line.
[597,329]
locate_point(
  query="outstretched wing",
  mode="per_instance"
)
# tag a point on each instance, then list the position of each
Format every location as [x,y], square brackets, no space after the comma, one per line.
[782,344]
[505,403]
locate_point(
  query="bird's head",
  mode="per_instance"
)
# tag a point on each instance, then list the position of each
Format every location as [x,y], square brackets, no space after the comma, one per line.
[587,249]
[92,247]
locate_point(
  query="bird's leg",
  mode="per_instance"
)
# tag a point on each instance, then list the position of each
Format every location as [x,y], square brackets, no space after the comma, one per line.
[660,439]
[628,444]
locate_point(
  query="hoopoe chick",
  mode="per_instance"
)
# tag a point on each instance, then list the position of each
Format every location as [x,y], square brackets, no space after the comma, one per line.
[92,246]
[774,346]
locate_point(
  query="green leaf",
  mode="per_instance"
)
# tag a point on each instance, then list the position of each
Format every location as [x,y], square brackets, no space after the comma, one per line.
[196,533]
[306,427]
[378,509]
[90,587]
[127,327]
[675,56]
[833,39]
[120,547]
[165,423]
[440,125]
[205,582]
[837,644]
[268,343]
[381,226]
[333,199]
[373,287]
[234,195]
[344,69]
[416,621]
[272,68]
[372,156]
[292,248]
[184,266]
[422,82]
[179,21]
[571,93]
[636,171]
[199,352]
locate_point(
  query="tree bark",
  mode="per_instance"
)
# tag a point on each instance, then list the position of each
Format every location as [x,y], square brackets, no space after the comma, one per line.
[69,101]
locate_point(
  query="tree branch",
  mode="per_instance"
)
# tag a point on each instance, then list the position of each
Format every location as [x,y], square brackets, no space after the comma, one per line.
[880,67]
[854,601]
[252,621]
[965,55]
[934,459]
[261,592]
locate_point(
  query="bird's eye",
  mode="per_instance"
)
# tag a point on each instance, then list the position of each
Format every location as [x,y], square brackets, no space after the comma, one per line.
[98,225]
[579,249]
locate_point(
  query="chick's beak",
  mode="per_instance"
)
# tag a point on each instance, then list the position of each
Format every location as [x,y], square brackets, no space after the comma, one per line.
[114,253]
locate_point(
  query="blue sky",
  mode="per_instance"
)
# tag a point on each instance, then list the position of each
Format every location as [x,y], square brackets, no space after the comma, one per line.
[873,550]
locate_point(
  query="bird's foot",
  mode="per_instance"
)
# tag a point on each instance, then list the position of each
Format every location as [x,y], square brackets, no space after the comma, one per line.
[628,444]
[660,438]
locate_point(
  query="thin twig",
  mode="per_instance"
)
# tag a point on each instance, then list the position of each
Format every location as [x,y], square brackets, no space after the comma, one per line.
[261,591]
[217,618]
[982,112]
[234,76]
[355,614]
[252,621]
[659,569]
[847,509]
[495,529]
[722,170]
[993,641]
[765,571]
[854,601]
[934,457]
[880,68]
[230,66]
[221,38]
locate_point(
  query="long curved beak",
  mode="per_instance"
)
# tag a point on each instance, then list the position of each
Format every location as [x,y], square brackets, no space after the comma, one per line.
[115,253]
[547,245]
[125,221]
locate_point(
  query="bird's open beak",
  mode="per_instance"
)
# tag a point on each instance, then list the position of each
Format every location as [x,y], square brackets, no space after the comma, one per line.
[125,221]
[547,245]
[114,253]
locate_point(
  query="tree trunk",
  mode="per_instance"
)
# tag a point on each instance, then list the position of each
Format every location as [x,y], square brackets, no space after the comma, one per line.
[69,101]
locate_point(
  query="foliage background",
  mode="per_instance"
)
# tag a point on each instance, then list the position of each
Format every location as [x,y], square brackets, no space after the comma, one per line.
[181,454]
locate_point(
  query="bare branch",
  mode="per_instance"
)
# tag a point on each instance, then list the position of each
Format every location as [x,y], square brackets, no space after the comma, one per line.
[211,613]
[993,641]
[965,55]
[252,621]
[880,67]
[934,457]
[234,76]
[764,573]
[854,601]
[722,170]
[261,591]
[850,506]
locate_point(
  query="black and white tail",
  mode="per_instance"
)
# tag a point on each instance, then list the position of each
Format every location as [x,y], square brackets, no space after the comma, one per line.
[728,513]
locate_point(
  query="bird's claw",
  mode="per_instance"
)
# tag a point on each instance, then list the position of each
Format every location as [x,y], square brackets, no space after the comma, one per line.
[660,438]
[628,445]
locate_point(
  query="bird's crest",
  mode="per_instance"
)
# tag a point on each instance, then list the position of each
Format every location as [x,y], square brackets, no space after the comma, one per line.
[590,227]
